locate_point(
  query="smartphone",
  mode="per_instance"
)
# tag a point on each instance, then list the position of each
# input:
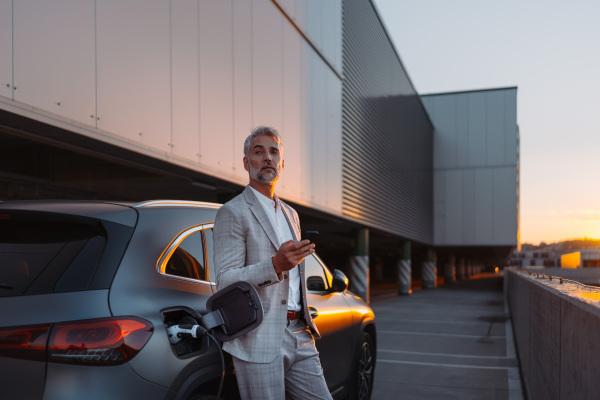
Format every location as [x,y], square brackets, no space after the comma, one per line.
[310,235]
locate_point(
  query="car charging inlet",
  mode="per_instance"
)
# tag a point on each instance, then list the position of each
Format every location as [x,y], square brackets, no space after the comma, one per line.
[232,312]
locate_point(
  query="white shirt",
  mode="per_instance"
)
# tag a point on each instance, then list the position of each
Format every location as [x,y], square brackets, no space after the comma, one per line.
[284,233]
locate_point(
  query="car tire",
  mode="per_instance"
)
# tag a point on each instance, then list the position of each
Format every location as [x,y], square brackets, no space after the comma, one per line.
[363,372]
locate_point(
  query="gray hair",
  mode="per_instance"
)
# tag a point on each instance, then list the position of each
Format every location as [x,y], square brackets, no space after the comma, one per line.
[261,131]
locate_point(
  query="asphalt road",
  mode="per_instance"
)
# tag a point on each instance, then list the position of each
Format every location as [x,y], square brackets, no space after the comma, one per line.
[451,342]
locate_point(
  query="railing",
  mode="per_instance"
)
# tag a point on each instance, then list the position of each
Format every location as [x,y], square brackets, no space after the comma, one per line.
[557,331]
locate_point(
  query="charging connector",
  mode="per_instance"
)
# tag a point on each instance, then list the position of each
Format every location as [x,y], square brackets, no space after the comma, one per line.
[178,332]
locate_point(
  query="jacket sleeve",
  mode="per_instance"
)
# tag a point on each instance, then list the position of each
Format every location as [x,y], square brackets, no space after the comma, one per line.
[230,253]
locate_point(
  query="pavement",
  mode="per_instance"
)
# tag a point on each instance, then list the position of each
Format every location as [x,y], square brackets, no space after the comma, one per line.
[451,342]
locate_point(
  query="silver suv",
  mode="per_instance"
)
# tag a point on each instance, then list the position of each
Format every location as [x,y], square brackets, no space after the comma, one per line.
[88,290]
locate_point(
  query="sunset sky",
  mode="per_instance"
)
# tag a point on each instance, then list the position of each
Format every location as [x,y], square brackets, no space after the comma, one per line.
[550,50]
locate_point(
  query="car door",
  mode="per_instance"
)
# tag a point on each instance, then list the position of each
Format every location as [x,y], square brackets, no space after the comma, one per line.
[333,318]
[163,270]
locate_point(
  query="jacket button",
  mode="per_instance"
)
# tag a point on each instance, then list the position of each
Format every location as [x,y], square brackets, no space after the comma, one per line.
[285,276]
[283,302]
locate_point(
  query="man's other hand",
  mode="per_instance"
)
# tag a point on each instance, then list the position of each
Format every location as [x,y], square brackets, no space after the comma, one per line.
[291,253]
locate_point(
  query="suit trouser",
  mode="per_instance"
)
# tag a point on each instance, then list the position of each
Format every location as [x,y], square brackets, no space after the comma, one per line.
[295,374]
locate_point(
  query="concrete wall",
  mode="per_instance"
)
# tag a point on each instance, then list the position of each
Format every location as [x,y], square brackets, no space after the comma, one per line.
[476,157]
[556,329]
[185,81]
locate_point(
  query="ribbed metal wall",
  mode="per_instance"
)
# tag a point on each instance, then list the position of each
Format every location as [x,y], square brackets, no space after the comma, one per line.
[387,137]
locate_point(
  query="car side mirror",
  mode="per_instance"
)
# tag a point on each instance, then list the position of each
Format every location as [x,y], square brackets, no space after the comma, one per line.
[340,281]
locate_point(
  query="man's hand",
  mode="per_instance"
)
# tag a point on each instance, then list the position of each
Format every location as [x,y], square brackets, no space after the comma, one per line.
[291,253]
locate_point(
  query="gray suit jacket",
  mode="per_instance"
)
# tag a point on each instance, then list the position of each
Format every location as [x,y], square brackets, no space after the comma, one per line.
[244,241]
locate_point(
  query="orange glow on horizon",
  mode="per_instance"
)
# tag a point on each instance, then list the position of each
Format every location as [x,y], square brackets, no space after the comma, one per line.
[551,226]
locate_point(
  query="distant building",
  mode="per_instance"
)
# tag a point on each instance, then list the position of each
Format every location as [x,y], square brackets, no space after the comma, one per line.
[540,258]
[581,259]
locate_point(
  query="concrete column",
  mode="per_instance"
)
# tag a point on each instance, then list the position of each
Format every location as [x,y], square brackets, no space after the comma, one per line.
[460,269]
[450,270]
[404,270]
[359,265]
[429,271]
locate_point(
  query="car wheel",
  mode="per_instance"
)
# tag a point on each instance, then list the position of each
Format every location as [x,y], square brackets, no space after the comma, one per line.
[364,370]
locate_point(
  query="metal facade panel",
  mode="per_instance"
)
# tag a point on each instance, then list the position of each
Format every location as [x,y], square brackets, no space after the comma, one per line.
[476,129]
[439,207]
[334,142]
[267,64]
[335,20]
[314,23]
[454,200]
[292,183]
[6,49]
[445,134]
[495,129]
[461,146]
[133,71]
[321,23]
[318,131]
[242,83]
[468,206]
[325,134]
[216,85]
[54,60]
[511,139]
[484,206]
[184,80]
[387,137]
[504,210]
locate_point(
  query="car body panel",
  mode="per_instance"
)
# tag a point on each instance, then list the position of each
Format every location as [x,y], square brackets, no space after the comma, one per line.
[335,325]
[119,382]
[341,318]
[22,379]
[54,307]
[139,289]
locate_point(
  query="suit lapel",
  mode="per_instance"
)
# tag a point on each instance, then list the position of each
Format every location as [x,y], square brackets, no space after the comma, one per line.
[259,213]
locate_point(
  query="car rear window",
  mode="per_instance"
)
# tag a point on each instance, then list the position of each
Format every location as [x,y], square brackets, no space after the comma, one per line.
[50,253]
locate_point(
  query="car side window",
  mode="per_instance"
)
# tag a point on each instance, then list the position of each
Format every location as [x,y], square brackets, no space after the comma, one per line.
[316,279]
[187,259]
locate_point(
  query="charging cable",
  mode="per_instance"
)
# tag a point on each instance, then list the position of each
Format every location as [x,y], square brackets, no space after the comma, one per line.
[177,333]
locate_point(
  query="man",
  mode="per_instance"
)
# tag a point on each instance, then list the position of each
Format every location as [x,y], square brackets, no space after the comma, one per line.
[256,239]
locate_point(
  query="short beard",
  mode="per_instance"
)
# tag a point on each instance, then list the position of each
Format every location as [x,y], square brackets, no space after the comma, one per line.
[264,178]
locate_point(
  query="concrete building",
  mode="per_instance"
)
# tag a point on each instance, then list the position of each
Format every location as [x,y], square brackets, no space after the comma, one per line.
[536,258]
[136,100]
[476,172]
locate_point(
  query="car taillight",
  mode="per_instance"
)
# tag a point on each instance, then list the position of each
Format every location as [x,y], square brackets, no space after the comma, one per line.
[104,341]
[27,342]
